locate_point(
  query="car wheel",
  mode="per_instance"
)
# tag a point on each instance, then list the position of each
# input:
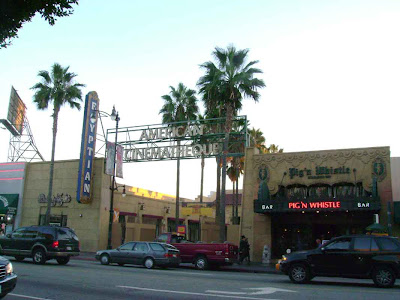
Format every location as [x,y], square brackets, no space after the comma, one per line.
[19,258]
[39,256]
[201,263]
[63,260]
[121,264]
[299,273]
[105,259]
[149,263]
[383,277]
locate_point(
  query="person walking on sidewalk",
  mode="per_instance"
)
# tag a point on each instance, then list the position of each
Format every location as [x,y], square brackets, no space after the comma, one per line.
[244,250]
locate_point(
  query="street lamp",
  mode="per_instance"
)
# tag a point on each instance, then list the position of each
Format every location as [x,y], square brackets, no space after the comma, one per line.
[115,117]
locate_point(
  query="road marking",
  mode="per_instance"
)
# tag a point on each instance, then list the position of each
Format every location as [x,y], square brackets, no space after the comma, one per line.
[29,297]
[268,290]
[260,291]
[189,293]
[226,293]
[180,272]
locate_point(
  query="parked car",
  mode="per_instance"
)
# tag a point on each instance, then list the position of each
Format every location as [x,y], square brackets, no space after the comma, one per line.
[202,255]
[42,243]
[8,279]
[148,254]
[356,256]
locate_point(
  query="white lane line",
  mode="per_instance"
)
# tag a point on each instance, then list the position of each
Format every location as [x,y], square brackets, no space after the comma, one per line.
[29,297]
[181,272]
[189,293]
[226,293]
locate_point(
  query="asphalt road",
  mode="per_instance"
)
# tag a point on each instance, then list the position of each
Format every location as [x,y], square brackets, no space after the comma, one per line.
[91,280]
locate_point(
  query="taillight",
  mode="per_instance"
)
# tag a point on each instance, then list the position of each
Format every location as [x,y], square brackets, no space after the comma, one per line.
[55,244]
[167,255]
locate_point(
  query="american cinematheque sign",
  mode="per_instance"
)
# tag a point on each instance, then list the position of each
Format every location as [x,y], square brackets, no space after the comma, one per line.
[183,140]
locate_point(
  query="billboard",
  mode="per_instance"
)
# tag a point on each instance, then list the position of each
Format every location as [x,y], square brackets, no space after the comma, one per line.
[15,115]
[88,144]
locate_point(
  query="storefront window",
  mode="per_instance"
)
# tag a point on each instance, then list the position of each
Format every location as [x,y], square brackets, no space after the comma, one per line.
[56,220]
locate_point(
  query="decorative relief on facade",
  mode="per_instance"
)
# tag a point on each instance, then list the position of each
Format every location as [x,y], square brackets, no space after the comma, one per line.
[324,167]
[379,169]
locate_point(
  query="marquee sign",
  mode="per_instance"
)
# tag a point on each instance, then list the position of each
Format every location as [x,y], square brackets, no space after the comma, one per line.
[184,140]
[328,204]
[85,171]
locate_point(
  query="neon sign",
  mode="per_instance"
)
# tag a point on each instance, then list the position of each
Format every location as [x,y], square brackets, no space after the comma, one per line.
[314,205]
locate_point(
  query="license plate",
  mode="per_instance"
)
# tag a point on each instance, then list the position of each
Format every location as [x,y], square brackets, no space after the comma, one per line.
[174,255]
[69,248]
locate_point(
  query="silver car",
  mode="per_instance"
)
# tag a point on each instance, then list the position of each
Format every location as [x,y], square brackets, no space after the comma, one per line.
[148,254]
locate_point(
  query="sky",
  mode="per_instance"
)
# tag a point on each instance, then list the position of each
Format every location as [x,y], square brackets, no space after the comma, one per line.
[331,68]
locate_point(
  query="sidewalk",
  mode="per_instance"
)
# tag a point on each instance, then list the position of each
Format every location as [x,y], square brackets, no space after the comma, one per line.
[254,267]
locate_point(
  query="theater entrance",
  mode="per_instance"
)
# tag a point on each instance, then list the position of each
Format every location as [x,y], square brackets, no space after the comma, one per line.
[299,231]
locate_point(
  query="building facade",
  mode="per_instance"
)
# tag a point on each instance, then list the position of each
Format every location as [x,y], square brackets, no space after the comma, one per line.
[292,199]
[139,214]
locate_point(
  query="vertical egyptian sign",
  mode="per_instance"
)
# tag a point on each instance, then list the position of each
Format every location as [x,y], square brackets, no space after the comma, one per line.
[88,144]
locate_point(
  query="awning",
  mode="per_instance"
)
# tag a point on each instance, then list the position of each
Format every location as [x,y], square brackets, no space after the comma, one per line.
[173,219]
[8,203]
[285,205]
[152,216]
[124,213]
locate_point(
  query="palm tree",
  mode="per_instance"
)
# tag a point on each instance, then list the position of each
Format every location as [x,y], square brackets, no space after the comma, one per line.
[179,106]
[274,149]
[257,139]
[59,88]
[229,82]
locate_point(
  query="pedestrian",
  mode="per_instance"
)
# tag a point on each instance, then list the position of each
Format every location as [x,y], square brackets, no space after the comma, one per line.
[244,250]
[318,242]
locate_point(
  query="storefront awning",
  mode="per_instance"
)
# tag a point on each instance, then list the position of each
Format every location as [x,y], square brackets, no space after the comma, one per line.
[324,204]
[152,216]
[8,203]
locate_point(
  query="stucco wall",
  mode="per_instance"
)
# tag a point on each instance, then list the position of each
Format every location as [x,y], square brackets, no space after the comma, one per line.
[65,181]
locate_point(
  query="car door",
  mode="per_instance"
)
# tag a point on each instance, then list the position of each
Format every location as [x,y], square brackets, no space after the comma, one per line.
[139,252]
[123,253]
[11,242]
[361,253]
[27,240]
[331,258]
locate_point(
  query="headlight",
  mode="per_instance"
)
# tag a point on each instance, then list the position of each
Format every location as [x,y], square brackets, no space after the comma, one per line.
[9,268]
[284,257]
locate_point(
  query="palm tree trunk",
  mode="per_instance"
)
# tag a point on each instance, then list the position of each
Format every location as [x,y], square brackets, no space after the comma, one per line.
[233,202]
[228,125]
[223,191]
[177,188]
[53,150]
[218,195]
[237,201]
[202,178]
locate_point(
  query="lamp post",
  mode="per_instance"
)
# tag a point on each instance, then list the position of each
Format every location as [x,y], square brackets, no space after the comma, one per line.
[115,117]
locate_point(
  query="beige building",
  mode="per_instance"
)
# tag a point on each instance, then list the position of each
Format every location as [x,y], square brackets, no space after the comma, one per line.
[139,215]
[291,199]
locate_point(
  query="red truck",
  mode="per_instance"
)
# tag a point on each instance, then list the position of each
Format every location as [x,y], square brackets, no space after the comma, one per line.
[200,254]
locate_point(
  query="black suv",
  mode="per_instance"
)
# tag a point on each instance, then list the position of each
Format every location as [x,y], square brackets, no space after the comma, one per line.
[356,256]
[41,243]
